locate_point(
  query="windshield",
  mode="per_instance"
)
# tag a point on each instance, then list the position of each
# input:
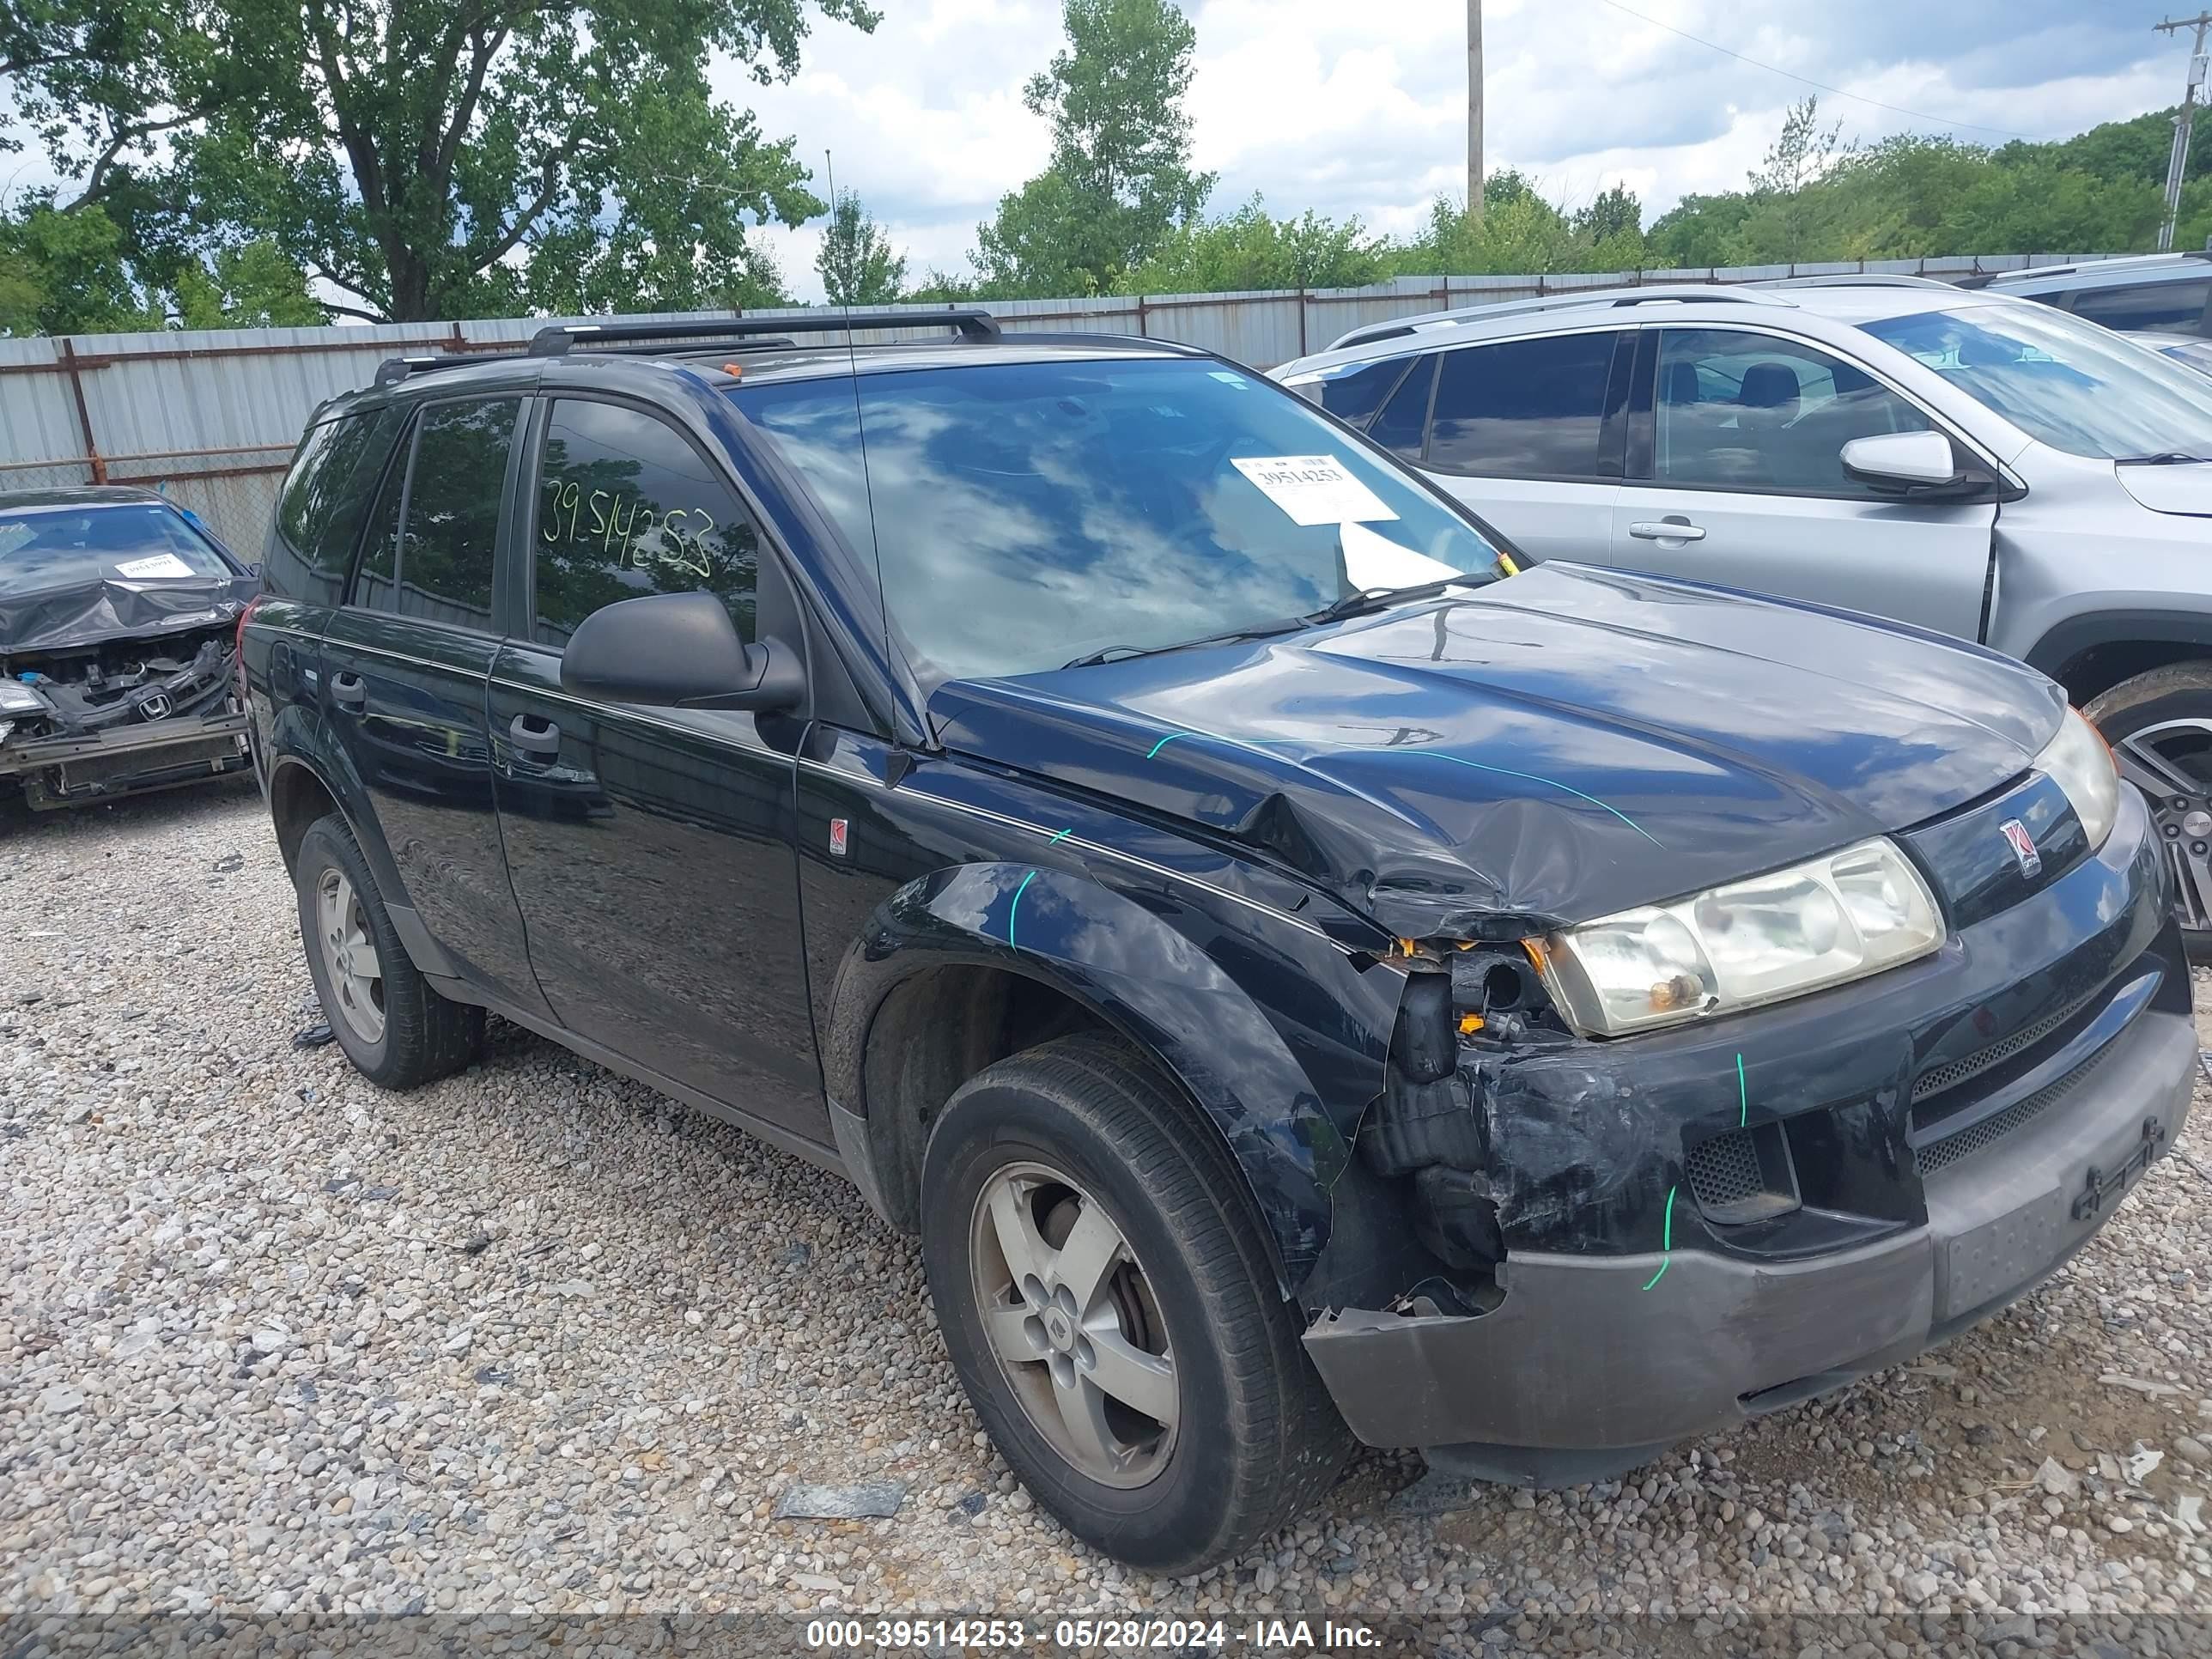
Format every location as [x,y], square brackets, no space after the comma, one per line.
[67,547]
[2075,386]
[1027,514]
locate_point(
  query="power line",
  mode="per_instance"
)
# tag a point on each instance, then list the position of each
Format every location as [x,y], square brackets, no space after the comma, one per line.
[1821,86]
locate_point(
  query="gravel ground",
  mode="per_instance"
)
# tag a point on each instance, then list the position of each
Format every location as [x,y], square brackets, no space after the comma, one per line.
[535,1341]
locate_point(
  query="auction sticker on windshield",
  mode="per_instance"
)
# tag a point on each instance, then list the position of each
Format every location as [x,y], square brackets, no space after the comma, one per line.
[1313,489]
[161,564]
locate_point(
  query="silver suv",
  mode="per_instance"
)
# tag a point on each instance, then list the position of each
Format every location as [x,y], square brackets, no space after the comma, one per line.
[2168,292]
[1976,464]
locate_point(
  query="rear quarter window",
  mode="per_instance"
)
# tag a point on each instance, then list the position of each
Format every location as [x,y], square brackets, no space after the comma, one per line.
[325,498]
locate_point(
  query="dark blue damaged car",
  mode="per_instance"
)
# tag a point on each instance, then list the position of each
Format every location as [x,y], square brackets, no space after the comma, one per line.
[1304,980]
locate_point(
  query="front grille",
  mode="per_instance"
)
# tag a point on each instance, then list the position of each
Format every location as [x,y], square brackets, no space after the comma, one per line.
[1942,1154]
[1952,1073]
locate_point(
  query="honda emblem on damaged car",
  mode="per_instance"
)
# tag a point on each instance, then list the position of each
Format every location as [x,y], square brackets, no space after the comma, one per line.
[2023,848]
[155,707]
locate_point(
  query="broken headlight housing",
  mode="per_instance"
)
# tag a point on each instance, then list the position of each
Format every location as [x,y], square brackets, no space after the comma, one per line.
[16,698]
[2079,762]
[1832,919]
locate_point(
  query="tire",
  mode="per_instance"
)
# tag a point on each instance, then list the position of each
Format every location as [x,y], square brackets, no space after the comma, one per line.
[397,1030]
[1079,1125]
[2159,726]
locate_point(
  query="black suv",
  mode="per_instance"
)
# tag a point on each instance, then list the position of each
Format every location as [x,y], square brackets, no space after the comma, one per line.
[1301,977]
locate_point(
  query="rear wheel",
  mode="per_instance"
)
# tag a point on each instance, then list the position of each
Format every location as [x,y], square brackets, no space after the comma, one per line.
[1103,1290]
[2159,726]
[397,1030]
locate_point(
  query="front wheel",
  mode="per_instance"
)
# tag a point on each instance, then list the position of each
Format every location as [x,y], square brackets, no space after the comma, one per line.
[2159,726]
[1107,1303]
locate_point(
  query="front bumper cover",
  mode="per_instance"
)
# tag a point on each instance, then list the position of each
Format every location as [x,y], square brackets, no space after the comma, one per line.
[1612,1354]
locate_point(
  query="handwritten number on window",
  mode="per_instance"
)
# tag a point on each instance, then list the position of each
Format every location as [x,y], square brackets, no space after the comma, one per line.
[615,514]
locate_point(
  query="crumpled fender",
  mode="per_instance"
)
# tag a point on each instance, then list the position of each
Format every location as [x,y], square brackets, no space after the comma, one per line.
[1137,973]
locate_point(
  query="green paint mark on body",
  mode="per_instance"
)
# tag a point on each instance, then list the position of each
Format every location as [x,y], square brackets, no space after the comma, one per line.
[1060,837]
[1742,1099]
[1162,744]
[1666,1245]
[1016,904]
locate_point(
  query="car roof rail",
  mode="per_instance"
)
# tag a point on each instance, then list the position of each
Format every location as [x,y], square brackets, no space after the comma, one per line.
[559,339]
[1651,293]
[2124,262]
[393,370]
[1854,279]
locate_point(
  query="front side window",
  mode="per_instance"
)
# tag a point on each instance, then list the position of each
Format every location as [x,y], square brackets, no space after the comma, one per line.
[1525,408]
[627,506]
[1401,425]
[1737,411]
[1026,514]
[2073,385]
[450,531]
[1353,392]
[318,512]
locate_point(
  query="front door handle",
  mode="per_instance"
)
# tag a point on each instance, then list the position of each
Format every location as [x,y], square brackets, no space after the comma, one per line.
[349,688]
[534,736]
[1671,528]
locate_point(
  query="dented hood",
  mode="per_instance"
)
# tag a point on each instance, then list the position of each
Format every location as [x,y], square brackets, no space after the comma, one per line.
[87,613]
[1555,747]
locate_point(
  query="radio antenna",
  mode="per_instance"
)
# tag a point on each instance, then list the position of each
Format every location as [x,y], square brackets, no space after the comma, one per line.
[859,421]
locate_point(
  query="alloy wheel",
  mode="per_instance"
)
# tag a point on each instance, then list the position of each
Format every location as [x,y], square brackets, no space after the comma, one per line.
[349,958]
[2171,763]
[1069,1315]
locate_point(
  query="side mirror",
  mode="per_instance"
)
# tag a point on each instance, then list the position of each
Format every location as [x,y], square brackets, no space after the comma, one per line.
[1904,462]
[676,651]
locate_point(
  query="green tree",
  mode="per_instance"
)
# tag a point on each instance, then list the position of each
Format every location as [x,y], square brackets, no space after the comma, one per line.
[66,272]
[1251,250]
[439,161]
[1120,179]
[251,286]
[856,261]
[1615,211]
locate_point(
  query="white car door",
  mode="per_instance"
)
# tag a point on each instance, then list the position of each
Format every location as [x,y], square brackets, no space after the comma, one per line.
[1736,476]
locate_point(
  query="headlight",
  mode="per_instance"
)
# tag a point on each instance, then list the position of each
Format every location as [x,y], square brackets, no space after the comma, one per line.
[16,698]
[2077,761]
[1836,918]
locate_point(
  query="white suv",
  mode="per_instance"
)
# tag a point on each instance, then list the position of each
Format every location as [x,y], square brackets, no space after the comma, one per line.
[1979,465]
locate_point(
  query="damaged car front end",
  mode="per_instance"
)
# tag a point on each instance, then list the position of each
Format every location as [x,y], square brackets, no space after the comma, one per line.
[1758,1025]
[118,630]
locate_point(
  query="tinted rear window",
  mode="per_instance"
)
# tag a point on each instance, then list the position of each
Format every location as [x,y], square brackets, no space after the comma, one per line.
[326,496]
[1524,408]
[1353,394]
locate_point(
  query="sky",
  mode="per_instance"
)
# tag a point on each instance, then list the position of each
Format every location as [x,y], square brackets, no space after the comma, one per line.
[1360,110]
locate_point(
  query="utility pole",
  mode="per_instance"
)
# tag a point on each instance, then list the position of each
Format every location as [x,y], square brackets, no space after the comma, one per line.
[2178,163]
[1474,109]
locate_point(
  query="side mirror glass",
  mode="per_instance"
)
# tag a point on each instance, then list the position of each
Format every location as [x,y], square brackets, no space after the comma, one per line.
[676,651]
[1904,462]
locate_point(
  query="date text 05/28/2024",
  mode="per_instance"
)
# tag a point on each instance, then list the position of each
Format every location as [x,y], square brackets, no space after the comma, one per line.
[1162,1635]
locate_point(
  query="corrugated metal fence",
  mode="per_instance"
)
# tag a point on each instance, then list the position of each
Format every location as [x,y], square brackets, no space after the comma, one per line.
[211,416]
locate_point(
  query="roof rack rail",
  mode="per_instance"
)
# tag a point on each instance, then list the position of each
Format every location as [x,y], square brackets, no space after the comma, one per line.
[393,370]
[2124,261]
[1649,294]
[1853,279]
[560,338]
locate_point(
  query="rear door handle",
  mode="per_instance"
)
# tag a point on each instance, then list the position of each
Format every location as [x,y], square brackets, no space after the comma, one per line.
[534,736]
[1671,528]
[349,689]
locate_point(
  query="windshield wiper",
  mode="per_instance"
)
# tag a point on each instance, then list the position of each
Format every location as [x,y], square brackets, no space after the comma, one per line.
[1368,599]
[1124,652]
[2164,458]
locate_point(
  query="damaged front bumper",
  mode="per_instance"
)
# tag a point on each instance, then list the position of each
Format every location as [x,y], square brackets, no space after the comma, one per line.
[1678,1252]
[1628,1354]
[69,770]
